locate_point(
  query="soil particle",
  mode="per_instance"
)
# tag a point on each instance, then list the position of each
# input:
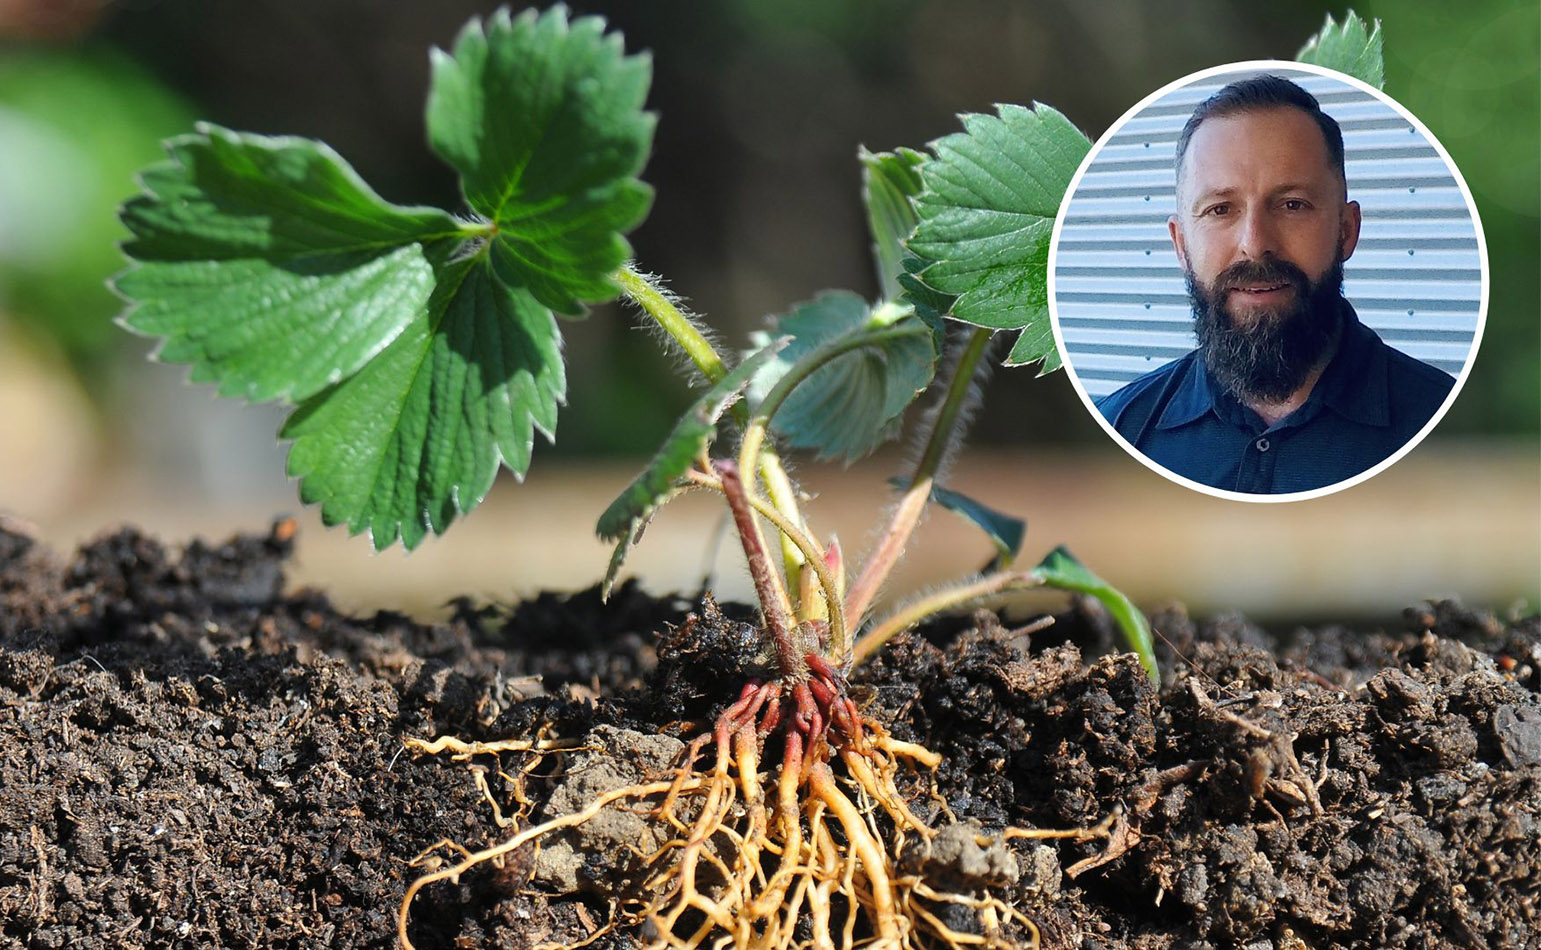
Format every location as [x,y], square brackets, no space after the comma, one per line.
[191,756]
[611,759]
[955,859]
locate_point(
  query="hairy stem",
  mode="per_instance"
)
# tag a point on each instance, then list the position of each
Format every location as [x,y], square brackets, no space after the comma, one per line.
[782,494]
[838,637]
[767,582]
[673,321]
[911,614]
[753,451]
[906,514]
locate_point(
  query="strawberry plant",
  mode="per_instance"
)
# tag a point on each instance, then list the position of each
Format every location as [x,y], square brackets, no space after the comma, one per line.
[421,351]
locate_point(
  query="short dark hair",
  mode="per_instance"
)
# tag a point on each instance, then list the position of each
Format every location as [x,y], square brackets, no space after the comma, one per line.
[1255,95]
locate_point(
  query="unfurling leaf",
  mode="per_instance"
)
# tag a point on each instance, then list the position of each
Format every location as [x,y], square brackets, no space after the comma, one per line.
[850,405]
[691,436]
[987,214]
[1005,531]
[1061,569]
[1354,48]
[543,120]
[890,181]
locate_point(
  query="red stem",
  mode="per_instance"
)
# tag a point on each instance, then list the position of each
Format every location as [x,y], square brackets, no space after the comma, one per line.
[760,570]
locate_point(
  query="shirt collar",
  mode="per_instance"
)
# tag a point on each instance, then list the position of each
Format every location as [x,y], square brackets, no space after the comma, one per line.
[1354,384]
[1196,394]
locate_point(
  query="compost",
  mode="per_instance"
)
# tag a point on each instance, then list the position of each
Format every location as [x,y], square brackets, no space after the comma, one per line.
[193,755]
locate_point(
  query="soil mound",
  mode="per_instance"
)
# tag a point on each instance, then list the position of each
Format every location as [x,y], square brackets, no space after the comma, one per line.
[190,756]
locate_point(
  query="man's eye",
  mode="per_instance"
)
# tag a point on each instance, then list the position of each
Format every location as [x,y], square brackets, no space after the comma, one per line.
[1295,204]
[1218,211]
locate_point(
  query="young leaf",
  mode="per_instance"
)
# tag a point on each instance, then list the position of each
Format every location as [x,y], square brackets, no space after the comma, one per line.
[416,436]
[543,120]
[1061,569]
[690,437]
[931,305]
[890,181]
[269,265]
[1006,531]
[1354,48]
[851,404]
[986,216]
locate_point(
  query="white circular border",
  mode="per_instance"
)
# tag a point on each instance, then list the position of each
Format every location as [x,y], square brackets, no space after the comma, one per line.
[1256,65]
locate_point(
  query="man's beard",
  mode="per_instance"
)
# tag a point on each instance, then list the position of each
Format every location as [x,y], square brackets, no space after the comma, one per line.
[1268,357]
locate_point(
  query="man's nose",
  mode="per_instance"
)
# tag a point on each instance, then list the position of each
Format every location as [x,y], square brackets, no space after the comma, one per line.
[1257,236]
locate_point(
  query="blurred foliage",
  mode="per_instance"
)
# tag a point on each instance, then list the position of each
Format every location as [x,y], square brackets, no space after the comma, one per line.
[75,126]
[763,104]
[1472,73]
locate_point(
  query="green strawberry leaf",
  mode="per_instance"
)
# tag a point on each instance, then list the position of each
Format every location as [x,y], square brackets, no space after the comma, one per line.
[269,265]
[543,120]
[416,436]
[691,436]
[890,181]
[1355,48]
[986,216]
[1036,343]
[850,405]
[931,305]
[1061,569]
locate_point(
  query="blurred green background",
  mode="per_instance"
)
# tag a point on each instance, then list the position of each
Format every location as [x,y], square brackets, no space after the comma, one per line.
[763,104]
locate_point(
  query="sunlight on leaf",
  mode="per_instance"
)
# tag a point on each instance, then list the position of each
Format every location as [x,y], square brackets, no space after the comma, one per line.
[1354,47]
[422,350]
[416,437]
[987,213]
[268,265]
[543,120]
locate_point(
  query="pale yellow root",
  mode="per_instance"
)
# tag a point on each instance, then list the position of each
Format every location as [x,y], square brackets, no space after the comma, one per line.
[471,860]
[874,861]
[834,842]
[464,750]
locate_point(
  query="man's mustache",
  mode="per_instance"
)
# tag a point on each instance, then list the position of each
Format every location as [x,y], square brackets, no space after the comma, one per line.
[1266,270]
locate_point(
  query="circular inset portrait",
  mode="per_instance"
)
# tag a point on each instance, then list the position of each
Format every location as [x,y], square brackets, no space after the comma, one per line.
[1268,281]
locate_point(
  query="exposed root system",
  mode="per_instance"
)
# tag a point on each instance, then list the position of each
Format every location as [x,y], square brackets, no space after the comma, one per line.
[821,851]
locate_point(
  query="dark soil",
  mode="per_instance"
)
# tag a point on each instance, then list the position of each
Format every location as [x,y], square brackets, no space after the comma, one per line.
[190,756]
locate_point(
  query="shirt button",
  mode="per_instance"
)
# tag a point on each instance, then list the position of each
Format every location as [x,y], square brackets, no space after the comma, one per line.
[1262,445]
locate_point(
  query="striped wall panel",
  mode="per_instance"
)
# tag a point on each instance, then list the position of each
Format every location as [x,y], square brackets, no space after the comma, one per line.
[1416,277]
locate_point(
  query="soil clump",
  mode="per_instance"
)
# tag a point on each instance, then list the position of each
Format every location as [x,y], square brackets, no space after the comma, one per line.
[192,756]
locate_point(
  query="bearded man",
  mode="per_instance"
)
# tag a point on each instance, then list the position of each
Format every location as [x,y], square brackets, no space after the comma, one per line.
[1287,390]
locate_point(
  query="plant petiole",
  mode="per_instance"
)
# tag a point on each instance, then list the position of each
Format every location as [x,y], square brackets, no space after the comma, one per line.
[906,514]
[774,604]
[839,639]
[932,604]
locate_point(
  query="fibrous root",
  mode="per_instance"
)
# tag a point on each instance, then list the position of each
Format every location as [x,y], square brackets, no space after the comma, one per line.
[810,859]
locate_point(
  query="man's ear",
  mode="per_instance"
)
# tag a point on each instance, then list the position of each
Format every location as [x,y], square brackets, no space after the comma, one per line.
[1175,230]
[1348,229]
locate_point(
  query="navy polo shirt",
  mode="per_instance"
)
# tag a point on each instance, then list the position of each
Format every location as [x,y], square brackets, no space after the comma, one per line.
[1368,403]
